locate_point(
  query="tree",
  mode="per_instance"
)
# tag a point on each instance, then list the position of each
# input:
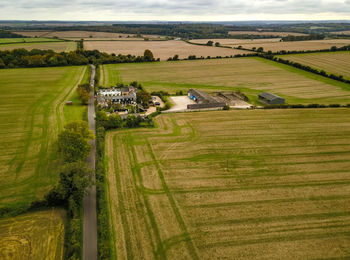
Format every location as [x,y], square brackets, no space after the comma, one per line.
[176,57]
[143,98]
[132,121]
[83,93]
[73,141]
[148,55]
[217,44]
[2,64]
[115,121]
[260,49]
[74,179]
[210,43]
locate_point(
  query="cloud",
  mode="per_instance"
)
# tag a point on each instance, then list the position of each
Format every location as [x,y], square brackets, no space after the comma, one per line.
[166,9]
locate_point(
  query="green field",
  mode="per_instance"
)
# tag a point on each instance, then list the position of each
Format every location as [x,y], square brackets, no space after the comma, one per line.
[77,110]
[55,46]
[250,75]
[254,184]
[337,63]
[37,235]
[27,40]
[31,114]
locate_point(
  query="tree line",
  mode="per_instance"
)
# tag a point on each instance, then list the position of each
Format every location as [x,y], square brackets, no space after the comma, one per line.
[22,58]
[313,36]
[7,34]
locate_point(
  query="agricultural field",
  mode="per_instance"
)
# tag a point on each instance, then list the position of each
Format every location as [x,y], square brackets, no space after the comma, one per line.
[37,235]
[337,63]
[160,49]
[341,32]
[228,42]
[280,34]
[250,75]
[87,35]
[297,45]
[24,40]
[31,114]
[55,46]
[252,184]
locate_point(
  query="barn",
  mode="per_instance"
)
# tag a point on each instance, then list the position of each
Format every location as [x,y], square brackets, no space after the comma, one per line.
[271,99]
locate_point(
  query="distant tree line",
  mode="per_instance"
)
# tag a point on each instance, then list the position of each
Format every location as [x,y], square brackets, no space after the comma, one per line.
[7,34]
[313,36]
[22,58]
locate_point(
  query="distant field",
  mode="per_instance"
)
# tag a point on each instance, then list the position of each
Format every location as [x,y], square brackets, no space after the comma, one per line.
[236,41]
[261,184]
[342,32]
[160,49]
[337,63]
[31,113]
[250,75]
[281,34]
[297,46]
[38,235]
[55,46]
[23,40]
[72,34]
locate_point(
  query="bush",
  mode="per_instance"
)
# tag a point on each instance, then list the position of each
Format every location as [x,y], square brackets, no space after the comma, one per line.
[226,107]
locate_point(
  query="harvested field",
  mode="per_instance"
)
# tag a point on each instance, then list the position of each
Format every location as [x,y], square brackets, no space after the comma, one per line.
[297,46]
[55,46]
[253,184]
[250,75]
[337,63]
[37,235]
[31,114]
[160,49]
[281,34]
[341,32]
[236,41]
[73,34]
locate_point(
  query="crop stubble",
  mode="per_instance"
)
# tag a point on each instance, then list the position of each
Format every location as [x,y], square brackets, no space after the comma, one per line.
[243,200]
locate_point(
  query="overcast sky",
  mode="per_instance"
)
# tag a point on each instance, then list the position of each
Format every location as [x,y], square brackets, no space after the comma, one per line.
[174,10]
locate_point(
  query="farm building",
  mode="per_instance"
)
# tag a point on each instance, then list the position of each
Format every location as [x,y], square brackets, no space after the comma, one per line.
[271,99]
[124,96]
[204,100]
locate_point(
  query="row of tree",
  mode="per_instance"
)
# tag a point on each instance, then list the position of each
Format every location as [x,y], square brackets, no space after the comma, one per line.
[22,58]
[307,68]
[7,34]
[74,147]
[313,36]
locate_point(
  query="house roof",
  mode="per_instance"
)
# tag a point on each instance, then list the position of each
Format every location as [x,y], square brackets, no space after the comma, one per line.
[269,96]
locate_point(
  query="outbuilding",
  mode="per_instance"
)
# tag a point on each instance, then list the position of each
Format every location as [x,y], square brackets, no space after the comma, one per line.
[271,99]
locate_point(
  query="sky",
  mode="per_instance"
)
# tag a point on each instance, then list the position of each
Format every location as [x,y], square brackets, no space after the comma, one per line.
[174,10]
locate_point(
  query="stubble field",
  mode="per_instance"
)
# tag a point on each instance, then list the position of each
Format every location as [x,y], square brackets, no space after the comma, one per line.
[37,235]
[236,42]
[160,49]
[250,75]
[261,184]
[55,46]
[281,34]
[296,46]
[337,63]
[31,114]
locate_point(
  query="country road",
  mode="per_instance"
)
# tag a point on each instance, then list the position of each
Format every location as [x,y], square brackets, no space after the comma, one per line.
[90,216]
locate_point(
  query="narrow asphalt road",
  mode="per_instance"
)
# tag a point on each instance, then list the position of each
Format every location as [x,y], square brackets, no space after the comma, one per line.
[90,216]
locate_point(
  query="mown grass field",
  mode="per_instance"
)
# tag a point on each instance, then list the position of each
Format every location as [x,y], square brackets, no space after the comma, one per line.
[37,235]
[31,114]
[337,63]
[250,75]
[55,46]
[254,184]
[160,49]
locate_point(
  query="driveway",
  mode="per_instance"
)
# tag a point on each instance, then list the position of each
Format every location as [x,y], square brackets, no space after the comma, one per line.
[180,103]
